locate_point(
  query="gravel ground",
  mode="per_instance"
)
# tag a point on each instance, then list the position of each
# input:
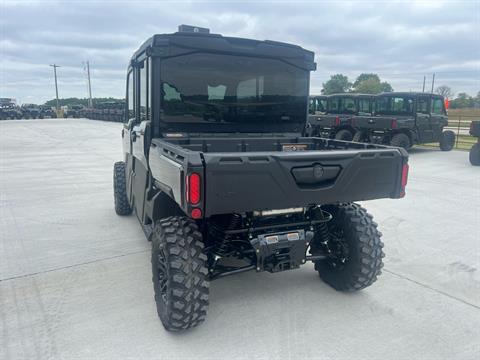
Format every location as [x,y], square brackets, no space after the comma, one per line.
[75,279]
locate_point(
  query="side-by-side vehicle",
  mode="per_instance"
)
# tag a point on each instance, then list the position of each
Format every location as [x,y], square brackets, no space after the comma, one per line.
[404,119]
[218,171]
[337,120]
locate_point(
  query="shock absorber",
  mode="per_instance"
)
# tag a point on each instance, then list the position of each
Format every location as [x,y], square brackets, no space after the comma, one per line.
[320,243]
[235,221]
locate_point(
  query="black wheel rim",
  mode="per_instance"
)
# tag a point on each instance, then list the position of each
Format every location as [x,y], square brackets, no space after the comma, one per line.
[162,273]
[338,247]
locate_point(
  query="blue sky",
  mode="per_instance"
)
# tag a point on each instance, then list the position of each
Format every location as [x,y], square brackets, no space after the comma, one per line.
[400,40]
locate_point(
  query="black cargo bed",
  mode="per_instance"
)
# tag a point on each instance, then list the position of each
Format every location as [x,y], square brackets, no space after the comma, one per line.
[246,174]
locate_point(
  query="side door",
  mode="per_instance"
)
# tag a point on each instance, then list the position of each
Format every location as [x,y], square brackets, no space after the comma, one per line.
[439,117]
[422,119]
[128,121]
[140,136]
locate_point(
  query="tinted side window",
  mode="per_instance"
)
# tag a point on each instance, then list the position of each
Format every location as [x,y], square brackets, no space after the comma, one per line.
[437,106]
[364,105]
[422,105]
[131,108]
[402,105]
[143,91]
[394,105]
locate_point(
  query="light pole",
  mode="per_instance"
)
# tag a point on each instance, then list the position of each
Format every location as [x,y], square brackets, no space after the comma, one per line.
[56,86]
[90,103]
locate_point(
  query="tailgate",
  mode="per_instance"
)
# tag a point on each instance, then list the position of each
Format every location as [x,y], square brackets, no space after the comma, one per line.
[277,180]
[329,120]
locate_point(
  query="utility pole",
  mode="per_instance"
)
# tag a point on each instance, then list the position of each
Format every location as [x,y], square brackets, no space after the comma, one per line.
[424,77]
[56,86]
[90,102]
[433,81]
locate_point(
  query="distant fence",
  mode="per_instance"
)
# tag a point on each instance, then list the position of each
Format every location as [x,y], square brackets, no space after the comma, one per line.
[460,125]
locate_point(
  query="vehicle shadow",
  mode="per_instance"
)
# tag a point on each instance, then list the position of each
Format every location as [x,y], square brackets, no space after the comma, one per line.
[422,150]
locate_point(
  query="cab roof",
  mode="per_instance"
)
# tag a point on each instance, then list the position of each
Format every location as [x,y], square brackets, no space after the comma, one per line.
[352,95]
[183,42]
[409,93]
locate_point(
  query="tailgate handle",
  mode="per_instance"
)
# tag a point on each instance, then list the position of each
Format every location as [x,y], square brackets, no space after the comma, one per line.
[315,175]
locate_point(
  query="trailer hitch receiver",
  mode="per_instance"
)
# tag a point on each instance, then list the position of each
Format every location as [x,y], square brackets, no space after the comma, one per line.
[281,251]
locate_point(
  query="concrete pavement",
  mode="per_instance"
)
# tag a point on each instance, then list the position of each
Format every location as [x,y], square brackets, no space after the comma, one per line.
[76,279]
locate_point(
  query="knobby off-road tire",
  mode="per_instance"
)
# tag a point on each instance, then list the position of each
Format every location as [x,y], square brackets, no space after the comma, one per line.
[122,207]
[447,140]
[344,135]
[354,234]
[474,155]
[180,273]
[401,140]
[361,136]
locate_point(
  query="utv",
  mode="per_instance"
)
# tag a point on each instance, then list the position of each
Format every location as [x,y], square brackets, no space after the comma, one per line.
[9,109]
[31,111]
[404,119]
[222,180]
[475,150]
[341,109]
[73,111]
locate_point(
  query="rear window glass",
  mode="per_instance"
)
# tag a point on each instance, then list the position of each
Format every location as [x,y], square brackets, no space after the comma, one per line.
[422,105]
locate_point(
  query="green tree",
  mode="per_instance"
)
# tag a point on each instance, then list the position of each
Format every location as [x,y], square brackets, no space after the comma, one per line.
[370,84]
[364,77]
[463,100]
[338,83]
[78,101]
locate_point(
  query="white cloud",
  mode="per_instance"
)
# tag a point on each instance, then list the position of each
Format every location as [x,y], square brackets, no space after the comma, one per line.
[400,40]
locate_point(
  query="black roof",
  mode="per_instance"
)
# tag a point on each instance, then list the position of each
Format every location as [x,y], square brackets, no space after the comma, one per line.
[409,93]
[352,95]
[184,42]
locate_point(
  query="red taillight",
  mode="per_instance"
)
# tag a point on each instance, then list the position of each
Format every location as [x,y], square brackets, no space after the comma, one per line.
[337,120]
[404,179]
[193,188]
[404,175]
[394,124]
[196,213]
